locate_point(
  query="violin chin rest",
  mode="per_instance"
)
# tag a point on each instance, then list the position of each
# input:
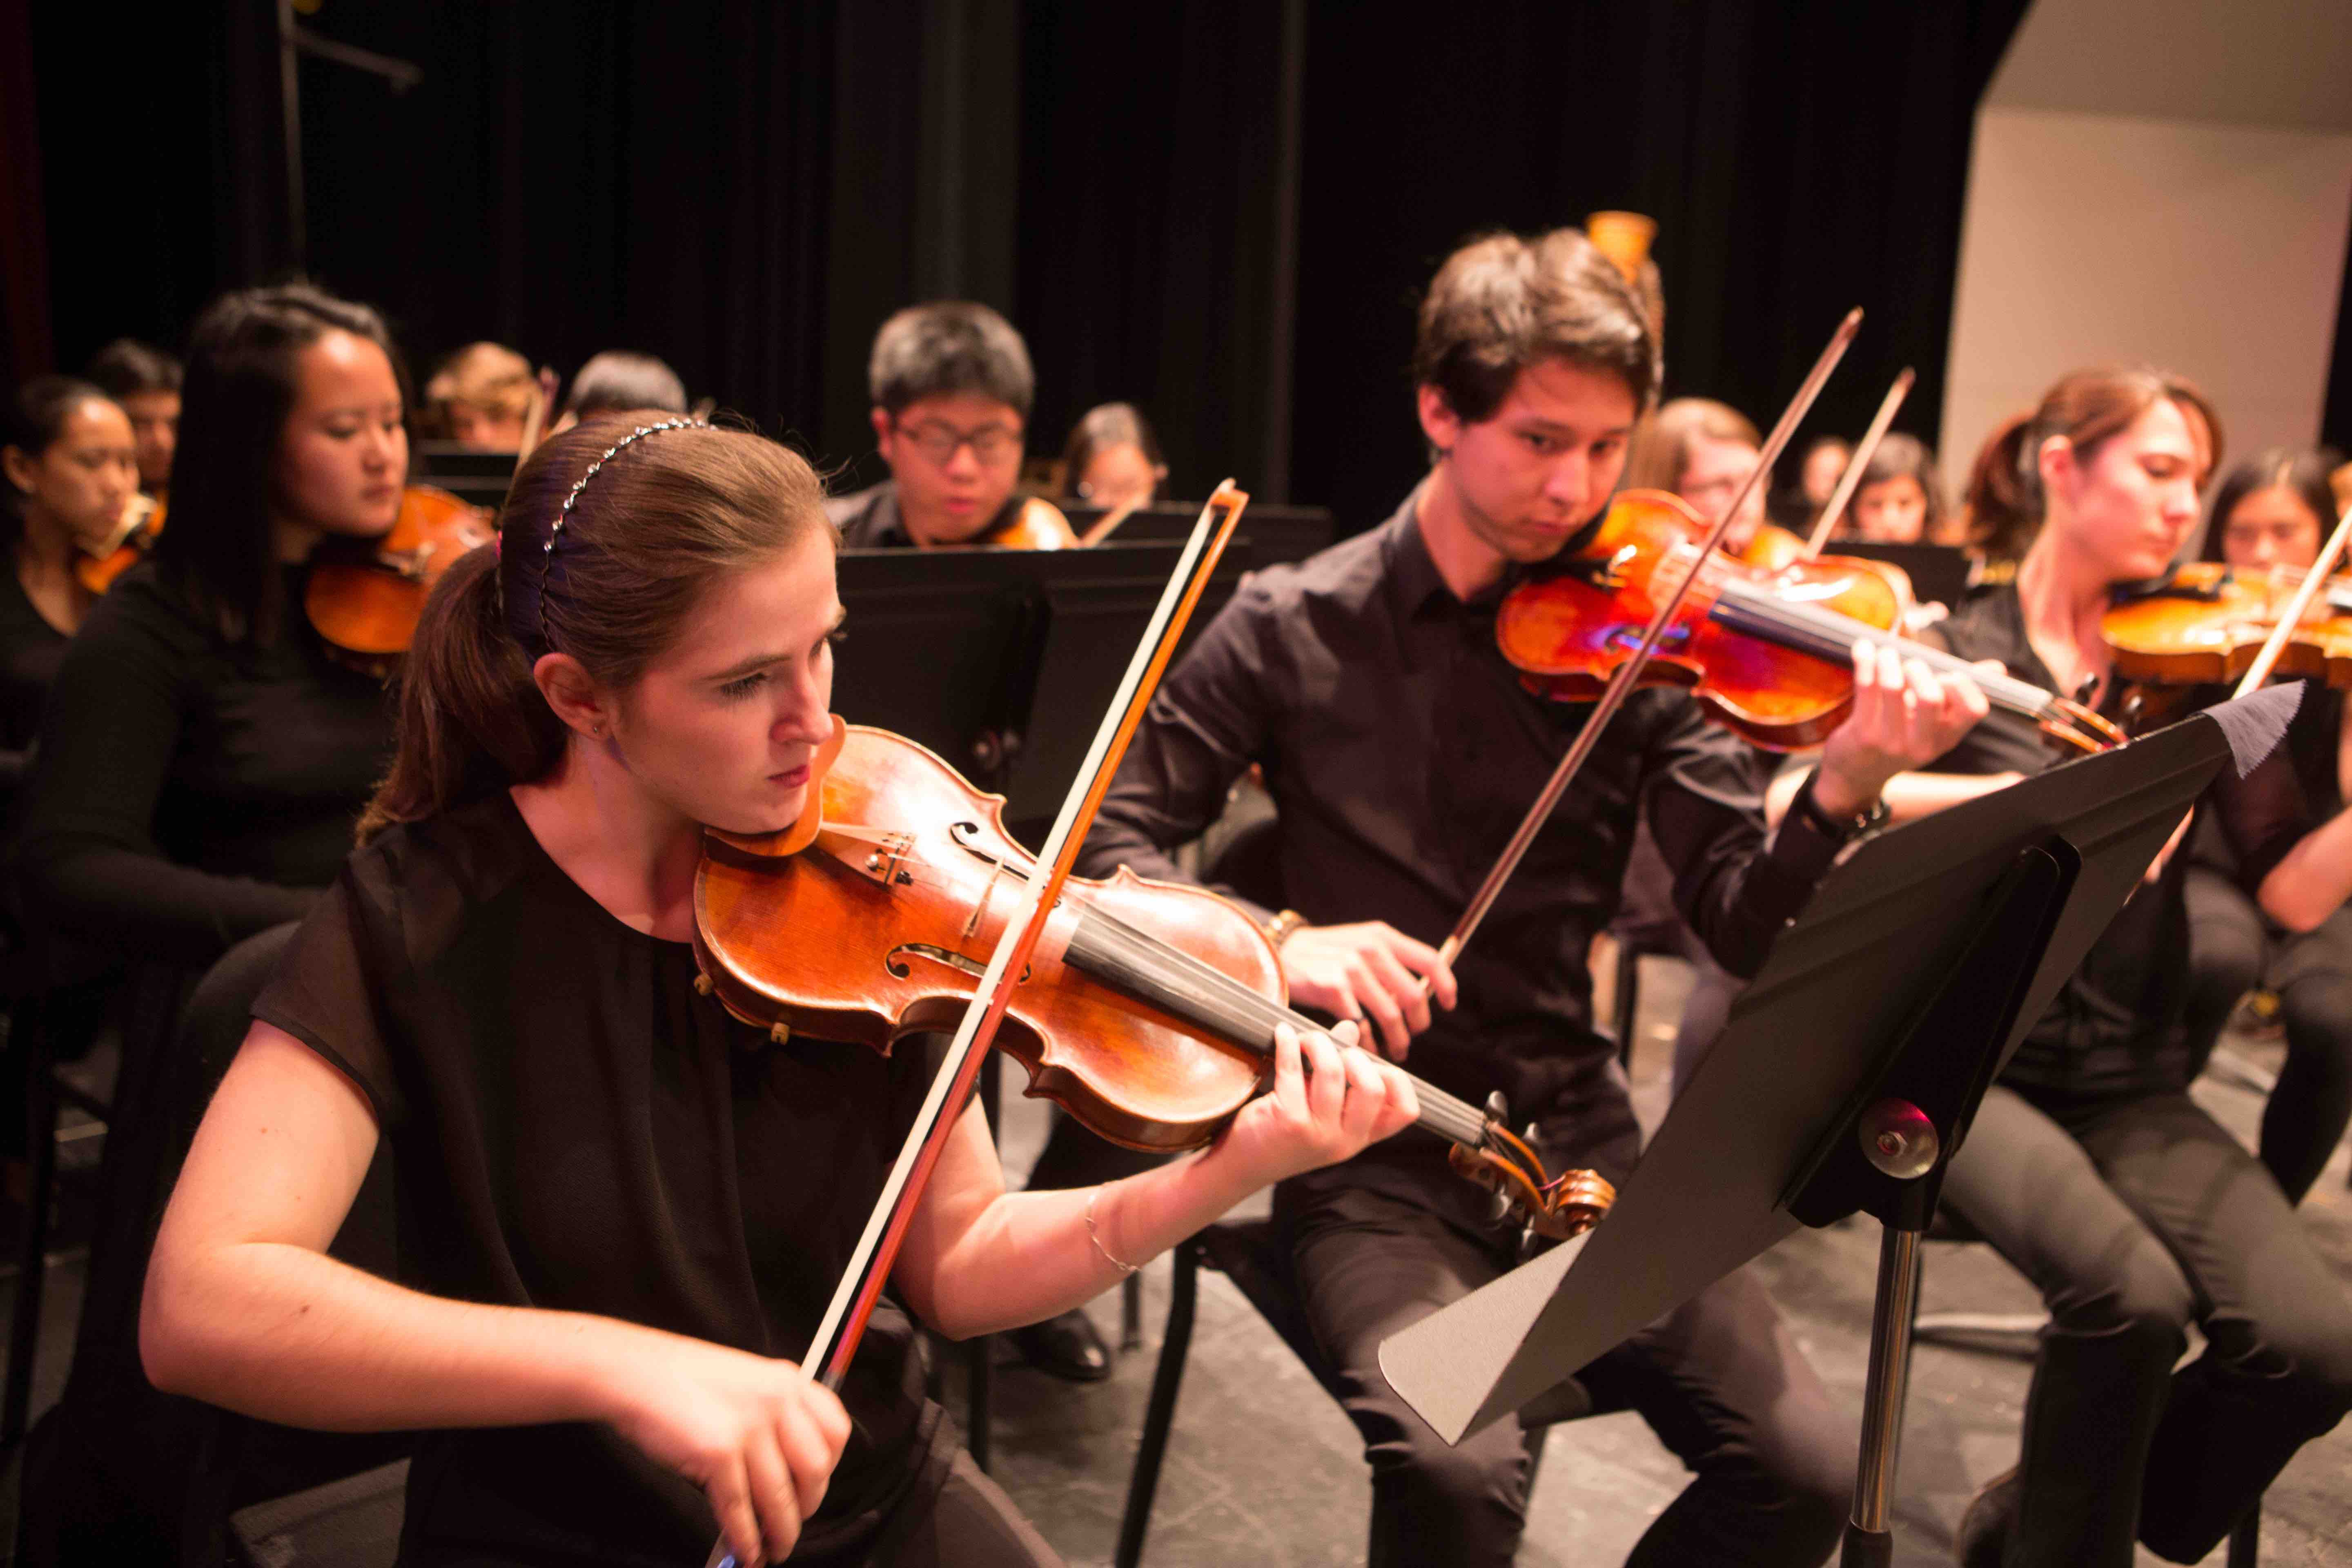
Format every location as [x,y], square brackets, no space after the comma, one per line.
[802,833]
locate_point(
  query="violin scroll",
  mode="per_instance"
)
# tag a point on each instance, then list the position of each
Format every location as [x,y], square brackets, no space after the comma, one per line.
[1556,1206]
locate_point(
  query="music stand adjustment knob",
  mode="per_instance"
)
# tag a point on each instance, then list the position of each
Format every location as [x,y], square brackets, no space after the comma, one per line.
[1899,1140]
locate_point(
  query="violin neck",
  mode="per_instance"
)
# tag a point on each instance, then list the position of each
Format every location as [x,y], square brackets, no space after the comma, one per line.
[1825,634]
[1151,970]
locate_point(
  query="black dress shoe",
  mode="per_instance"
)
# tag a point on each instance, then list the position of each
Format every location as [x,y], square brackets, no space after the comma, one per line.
[1984,1531]
[1067,1346]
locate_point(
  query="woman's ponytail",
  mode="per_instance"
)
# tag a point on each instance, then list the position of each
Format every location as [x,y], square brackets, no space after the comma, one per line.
[471,720]
[2004,496]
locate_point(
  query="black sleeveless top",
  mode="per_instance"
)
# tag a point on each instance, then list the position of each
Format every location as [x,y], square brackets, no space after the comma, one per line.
[573,1127]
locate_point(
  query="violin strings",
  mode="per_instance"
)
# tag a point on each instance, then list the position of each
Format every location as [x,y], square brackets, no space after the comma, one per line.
[1828,635]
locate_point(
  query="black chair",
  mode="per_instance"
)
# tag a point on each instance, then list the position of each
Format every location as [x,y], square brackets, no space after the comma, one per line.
[120,1472]
[50,1033]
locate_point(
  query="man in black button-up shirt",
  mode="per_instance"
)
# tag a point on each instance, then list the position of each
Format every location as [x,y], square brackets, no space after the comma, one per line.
[1400,751]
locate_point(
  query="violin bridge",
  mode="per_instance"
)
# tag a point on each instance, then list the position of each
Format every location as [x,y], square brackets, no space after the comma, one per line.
[878,857]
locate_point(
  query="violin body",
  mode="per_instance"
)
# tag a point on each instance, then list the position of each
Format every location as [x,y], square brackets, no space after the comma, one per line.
[142,520]
[1569,632]
[1035,524]
[363,596]
[2205,623]
[884,925]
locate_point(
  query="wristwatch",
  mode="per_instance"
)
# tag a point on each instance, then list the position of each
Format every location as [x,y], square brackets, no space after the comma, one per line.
[1278,929]
[1840,829]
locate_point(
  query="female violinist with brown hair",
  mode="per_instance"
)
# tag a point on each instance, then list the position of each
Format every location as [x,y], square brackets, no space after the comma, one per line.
[640,1204]
[2089,1167]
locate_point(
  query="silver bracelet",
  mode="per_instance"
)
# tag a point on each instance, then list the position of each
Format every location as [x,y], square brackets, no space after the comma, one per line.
[1095,1236]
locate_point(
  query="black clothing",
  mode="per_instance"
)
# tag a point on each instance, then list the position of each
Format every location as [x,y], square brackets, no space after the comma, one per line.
[1719,1379]
[2135,1214]
[574,1128]
[1401,752]
[2233,948]
[2115,1027]
[30,651]
[869,520]
[188,791]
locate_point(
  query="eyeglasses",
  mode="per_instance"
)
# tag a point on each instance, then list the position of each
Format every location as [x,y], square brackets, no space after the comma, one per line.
[990,443]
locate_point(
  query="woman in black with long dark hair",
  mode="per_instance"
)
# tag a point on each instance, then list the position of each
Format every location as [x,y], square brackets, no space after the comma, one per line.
[203,759]
[2275,511]
[71,467]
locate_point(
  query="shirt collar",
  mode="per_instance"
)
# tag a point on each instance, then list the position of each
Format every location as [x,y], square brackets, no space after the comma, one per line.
[1416,587]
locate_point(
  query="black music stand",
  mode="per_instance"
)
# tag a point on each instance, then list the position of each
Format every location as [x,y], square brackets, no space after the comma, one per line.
[1003,660]
[1275,533]
[1938,572]
[1849,1073]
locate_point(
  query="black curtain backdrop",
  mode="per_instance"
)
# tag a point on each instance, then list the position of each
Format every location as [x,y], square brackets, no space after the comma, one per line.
[1799,159]
[1199,208]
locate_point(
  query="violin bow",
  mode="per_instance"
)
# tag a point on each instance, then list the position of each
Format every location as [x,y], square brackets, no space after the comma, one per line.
[2314,581]
[1850,480]
[844,1320]
[1620,685]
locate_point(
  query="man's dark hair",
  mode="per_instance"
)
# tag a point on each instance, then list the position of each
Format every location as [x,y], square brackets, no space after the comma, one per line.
[945,347]
[616,381]
[1505,301]
[126,367]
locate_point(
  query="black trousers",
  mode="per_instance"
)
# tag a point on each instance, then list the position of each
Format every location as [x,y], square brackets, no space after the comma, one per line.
[1720,1382]
[2136,1217]
[2232,948]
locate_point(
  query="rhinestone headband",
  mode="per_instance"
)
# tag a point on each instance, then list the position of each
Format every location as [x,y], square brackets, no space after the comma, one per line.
[555,529]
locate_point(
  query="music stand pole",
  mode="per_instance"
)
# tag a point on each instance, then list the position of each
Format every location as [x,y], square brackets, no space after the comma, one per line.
[1852,1066]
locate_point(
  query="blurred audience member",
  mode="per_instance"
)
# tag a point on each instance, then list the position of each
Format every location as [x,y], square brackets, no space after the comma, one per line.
[1113,459]
[144,383]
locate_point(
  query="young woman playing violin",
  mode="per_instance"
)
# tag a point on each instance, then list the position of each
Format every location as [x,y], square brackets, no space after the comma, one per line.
[2089,1167]
[71,467]
[2273,511]
[638,1204]
[203,758]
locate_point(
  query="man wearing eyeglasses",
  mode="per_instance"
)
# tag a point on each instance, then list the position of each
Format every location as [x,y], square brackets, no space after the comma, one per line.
[952,387]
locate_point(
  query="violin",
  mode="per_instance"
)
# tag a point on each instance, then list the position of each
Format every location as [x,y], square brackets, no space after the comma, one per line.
[1768,653]
[2205,622]
[97,566]
[363,596]
[1147,1011]
[1035,524]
